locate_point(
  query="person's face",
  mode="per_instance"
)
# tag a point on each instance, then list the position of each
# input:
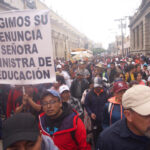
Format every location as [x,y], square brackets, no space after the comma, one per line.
[81,66]
[65,96]
[122,77]
[59,69]
[98,89]
[120,94]
[133,70]
[140,125]
[112,66]
[138,68]
[52,106]
[98,70]
[139,77]
[145,68]
[29,90]
[27,145]
[56,84]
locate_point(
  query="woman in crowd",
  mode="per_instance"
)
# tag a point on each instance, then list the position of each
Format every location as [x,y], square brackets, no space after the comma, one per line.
[113,110]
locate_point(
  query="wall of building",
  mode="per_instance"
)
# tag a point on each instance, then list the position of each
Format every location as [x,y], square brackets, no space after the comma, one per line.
[64,36]
[140,29]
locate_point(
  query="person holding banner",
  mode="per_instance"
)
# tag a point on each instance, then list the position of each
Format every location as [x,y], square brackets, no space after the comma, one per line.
[29,102]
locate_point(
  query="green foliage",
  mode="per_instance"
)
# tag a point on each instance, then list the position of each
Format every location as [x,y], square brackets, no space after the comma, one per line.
[97,51]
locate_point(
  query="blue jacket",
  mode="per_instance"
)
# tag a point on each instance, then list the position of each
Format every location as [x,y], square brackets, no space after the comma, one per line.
[119,137]
[113,112]
[95,104]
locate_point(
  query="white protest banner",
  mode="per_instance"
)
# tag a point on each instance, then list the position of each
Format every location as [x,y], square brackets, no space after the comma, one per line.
[26,55]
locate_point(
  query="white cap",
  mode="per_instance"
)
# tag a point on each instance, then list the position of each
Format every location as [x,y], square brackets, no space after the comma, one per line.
[63,88]
[137,98]
[97,82]
[58,67]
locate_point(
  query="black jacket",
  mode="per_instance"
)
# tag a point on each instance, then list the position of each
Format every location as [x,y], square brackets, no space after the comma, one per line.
[74,86]
[119,137]
[95,104]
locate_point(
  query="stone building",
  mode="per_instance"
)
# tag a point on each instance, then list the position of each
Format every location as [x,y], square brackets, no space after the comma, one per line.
[64,36]
[140,29]
[115,48]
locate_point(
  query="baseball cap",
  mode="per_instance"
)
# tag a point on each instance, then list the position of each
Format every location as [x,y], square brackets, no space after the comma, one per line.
[52,92]
[63,88]
[98,82]
[119,86]
[137,98]
[22,126]
[58,66]
[145,65]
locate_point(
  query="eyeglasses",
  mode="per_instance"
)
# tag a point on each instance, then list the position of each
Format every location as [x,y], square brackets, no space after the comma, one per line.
[50,102]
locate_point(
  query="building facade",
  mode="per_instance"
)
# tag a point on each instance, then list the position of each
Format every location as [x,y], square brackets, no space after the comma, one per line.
[140,29]
[64,36]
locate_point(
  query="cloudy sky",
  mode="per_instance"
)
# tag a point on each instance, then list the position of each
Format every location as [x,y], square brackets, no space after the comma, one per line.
[95,18]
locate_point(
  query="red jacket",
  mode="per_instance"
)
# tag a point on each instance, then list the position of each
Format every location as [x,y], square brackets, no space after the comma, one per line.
[63,138]
[13,95]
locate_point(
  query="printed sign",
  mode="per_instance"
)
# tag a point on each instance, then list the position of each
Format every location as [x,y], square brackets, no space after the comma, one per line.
[26,55]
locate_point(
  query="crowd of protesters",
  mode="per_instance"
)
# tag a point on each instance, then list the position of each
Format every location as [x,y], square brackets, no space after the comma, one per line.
[101,103]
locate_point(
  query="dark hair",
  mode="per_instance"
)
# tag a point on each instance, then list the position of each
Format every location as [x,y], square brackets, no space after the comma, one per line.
[60,79]
[136,66]
[133,82]
[130,67]
[136,74]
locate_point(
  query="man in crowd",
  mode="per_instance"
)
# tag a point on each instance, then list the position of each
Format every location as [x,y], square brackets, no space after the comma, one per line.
[83,70]
[66,97]
[112,72]
[65,74]
[133,132]
[94,104]
[78,85]
[61,123]
[29,102]
[21,132]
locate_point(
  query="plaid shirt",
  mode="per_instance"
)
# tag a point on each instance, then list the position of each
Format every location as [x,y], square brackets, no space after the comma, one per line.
[75,103]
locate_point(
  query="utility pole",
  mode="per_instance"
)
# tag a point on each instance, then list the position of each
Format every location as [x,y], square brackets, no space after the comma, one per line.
[122,33]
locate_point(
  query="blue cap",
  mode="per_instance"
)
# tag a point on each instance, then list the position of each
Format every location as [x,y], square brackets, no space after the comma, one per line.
[54,93]
[145,65]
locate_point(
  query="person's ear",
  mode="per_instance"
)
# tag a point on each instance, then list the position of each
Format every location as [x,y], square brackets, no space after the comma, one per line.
[129,115]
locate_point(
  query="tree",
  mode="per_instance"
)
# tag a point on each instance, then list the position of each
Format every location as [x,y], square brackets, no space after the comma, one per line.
[97,51]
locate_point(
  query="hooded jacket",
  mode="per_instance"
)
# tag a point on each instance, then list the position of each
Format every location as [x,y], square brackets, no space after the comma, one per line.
[68,124]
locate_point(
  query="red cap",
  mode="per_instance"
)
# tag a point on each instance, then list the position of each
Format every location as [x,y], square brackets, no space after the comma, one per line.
[120,85]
